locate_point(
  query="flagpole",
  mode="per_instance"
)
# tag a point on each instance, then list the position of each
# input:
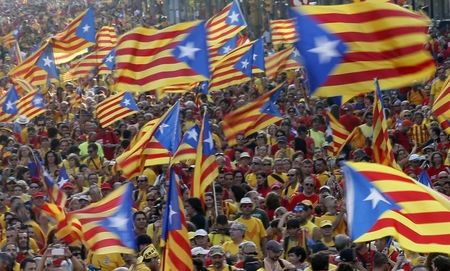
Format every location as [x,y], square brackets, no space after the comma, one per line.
[215,199]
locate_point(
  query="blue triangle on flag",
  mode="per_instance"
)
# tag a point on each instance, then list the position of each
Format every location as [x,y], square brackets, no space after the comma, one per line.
[168,132]
[364,198]
[321,50]
[193,50]
[129,102]
[270,107]
[46,61]
[110,60]
[424,178]
[86,28]
[172,212]
[235,16]
[244,64]
[9,105]
[191,136]
[258,54]
[38,100]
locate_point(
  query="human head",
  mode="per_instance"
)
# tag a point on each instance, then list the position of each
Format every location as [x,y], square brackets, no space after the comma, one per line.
[217,256]
[380,262]
[274,250]
[441,263]
[319,261]
[28,264]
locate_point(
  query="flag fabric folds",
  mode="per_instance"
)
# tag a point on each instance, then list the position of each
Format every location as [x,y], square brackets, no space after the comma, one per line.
[175,239]
[115,108]
[345,46]
[10,39]
[76,37]
[55,194]
[216,53]
[413,214]
[206,168]
[226,24]
[276,62]
[149,59]
[339,133]
[424,178]
[63,177]
[107,225]
[441,107]
[381,144]
[31,105]
[234,68]
[67,228]
[252,117]
[188,146]
[283,31]
[8,105]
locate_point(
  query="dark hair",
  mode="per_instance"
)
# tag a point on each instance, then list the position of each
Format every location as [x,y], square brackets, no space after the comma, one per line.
[380,259]
[419,266]
[57,158]
[24,263]
[293,223]
[299,251]
[196,204]
[93,146]
[139,213]
[143,239]
[343,266]
[222,220]
[273,201]
[442,263]
[319,261]
[4,257]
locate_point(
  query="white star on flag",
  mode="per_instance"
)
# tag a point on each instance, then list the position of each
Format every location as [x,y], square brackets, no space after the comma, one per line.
[192,134]
[47,61]
[325,49]
[375,197]
[254,57]
[188,51]
[110,58]
[37,101]
[210,141]
[171,213]
[226,49]
[162,127]
[295,53]
[245,63]
[9,105]
[126,102]
[86,28]
[234,17]
[119,222]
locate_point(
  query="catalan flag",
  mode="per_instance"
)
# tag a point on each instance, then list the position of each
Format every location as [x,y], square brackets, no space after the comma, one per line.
[252,117]
[294,61]
[283,31]
[9,107]
[188,146]
[55,194]
[339,133]
[345,46]
[165,140]
[233,69]
[226,24]
[381,145]
[151,59]
[206,167]
[413,214]
[67,229]
[76,37]
[10,39]
[31,105]
[115,108]
[424,179]
[276,62]
[177,248]
[33,68]
[441,107]
[129,162]
[216,53]
[106,41]
[107,225]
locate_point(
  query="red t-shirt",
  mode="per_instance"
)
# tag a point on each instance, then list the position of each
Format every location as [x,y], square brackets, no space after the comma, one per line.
[349,122]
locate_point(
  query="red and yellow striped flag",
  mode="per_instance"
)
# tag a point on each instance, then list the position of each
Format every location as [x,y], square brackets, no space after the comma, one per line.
[67,229]
[381,144]
[75,39]
[276,62]
[382,201]
[174,238]
[283,31]
[225,73]
[340,134]
[4,117]
[31,105]
[252,117]
[144,59]
[106,41]
[9,39]
[441,107]
[115,108]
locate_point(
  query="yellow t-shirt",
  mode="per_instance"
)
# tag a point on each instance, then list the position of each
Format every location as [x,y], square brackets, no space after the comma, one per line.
[340,229]
[250,179]
[33,245]
[231,248]
[106,262]
[218,239]
[275,177]
[436,87]
[255,231]
[150,232]
[226,267]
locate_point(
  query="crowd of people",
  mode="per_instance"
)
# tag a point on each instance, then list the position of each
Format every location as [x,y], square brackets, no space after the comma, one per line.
[278,202]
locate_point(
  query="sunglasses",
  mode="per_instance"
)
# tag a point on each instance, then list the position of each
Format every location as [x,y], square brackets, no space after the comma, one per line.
[34,186]
[267,164]
[251,253]
[308,184]
[246,205]
[291,175]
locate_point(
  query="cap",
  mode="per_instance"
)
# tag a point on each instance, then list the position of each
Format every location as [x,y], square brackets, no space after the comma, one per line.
[246,200]
[325,187]
[274,246]
[298,208]
[307,202]
[276,186]
[22,120]
[106,186]
[407,123]
[85,197]
[244,155]
[150,252]
[347,255]
[281,139]
[38,195]
[191,235]
[199,251]
[325,223]
[200,232]
[415,157]
[216,250]
[68,185]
